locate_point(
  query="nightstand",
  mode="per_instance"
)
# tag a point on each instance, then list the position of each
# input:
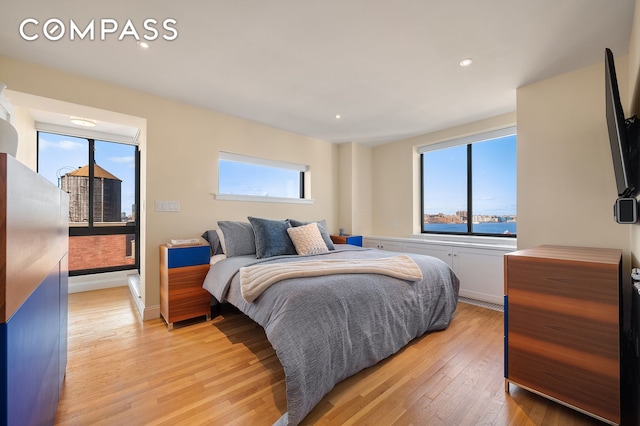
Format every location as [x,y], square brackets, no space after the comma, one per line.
[182,272]
[354,240]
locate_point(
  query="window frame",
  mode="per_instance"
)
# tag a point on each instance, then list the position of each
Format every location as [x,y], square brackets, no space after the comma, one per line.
[92,229]
[240,158]
[468,141]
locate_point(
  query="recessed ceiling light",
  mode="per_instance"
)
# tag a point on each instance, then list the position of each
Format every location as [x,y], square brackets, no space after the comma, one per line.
[85,122]
[338,116]
[466,62]
[143,44]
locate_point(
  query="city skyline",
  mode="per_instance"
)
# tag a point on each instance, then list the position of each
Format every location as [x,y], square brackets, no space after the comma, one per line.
[461,217]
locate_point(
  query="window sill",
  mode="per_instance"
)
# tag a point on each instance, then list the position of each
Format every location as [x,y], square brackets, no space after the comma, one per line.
[262,199]
[469,240]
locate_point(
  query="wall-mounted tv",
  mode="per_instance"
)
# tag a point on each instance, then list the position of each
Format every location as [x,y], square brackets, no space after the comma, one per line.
[623,135]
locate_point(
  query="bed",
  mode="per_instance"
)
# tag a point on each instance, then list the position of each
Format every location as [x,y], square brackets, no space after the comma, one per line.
[327,327]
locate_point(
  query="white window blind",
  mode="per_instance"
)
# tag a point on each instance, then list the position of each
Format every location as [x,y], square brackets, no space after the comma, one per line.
[465,140]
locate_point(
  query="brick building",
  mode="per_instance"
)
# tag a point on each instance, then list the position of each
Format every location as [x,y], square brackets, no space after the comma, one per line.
[96,251]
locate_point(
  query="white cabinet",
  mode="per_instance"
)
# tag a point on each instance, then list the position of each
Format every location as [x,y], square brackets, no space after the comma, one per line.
[383,244]
[481,274]
[480,270]
[444,253]
[479,266]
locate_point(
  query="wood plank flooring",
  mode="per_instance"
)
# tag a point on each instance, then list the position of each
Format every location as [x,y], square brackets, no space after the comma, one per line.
[122,371]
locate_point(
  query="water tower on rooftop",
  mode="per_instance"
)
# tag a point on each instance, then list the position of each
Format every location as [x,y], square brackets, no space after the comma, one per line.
[106,195]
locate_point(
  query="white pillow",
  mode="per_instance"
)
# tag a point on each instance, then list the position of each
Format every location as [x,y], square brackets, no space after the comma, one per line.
[307,239]
[221,238]
[217,258]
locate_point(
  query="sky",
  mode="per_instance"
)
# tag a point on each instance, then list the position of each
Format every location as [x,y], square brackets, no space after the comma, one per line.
[253,179]
[494,173]
[493,177]
[58,155]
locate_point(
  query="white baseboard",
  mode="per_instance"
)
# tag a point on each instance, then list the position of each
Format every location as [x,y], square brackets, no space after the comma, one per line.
[146,313]
[482,297]
[98,281]
[151,312]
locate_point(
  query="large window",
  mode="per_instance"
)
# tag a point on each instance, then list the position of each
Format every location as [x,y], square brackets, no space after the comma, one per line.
[251,177]
[469,185]
[101,179]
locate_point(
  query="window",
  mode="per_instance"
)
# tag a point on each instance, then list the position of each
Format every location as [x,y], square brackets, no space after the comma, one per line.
[249,178]
[469,185]
[101,179]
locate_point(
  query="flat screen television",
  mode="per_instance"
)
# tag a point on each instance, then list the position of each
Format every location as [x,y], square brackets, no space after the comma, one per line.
[623,135]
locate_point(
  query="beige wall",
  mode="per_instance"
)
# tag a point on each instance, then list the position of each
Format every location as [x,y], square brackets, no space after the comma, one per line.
[362,190]
[396,176]
[24,124]
[355,189]
[566,185]
[345,189]
[180,158]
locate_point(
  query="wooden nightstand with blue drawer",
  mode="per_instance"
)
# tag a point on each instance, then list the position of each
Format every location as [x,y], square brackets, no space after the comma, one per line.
[182,272]
[354,240]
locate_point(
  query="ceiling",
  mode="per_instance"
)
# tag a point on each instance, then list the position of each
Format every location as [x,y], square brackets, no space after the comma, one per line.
[390,69]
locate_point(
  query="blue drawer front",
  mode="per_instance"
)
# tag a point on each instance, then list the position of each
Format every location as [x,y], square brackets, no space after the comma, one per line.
[31,358]
[188,256]
[355,240]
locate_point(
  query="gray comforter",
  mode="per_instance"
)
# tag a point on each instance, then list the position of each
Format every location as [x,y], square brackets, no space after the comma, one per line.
[325,329]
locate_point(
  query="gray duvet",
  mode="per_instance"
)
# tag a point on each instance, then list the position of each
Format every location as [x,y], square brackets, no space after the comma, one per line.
[325,329]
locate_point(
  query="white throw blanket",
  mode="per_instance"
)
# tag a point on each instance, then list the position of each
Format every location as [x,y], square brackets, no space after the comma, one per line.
[254,280]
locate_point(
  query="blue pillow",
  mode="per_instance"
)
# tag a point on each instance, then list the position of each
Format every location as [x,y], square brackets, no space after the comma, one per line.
[271,237]
[238,238]
[211,237]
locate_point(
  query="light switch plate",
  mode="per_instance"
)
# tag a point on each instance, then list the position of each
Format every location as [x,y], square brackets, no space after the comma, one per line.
[167,206]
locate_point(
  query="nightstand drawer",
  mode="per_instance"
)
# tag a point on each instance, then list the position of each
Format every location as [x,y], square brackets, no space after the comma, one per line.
[187,280]
[354,240]
[188,305]
[188,256]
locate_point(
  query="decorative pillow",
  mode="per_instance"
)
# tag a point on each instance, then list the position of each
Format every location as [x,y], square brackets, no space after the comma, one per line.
[271,237]
[214,241]
[322,226]
[237,239]
[307,239]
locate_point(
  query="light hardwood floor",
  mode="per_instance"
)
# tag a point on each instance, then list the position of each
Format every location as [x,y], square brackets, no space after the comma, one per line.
[122,371]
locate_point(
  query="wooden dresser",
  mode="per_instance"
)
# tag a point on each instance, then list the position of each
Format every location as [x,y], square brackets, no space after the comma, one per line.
[182,272]
[562,326]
